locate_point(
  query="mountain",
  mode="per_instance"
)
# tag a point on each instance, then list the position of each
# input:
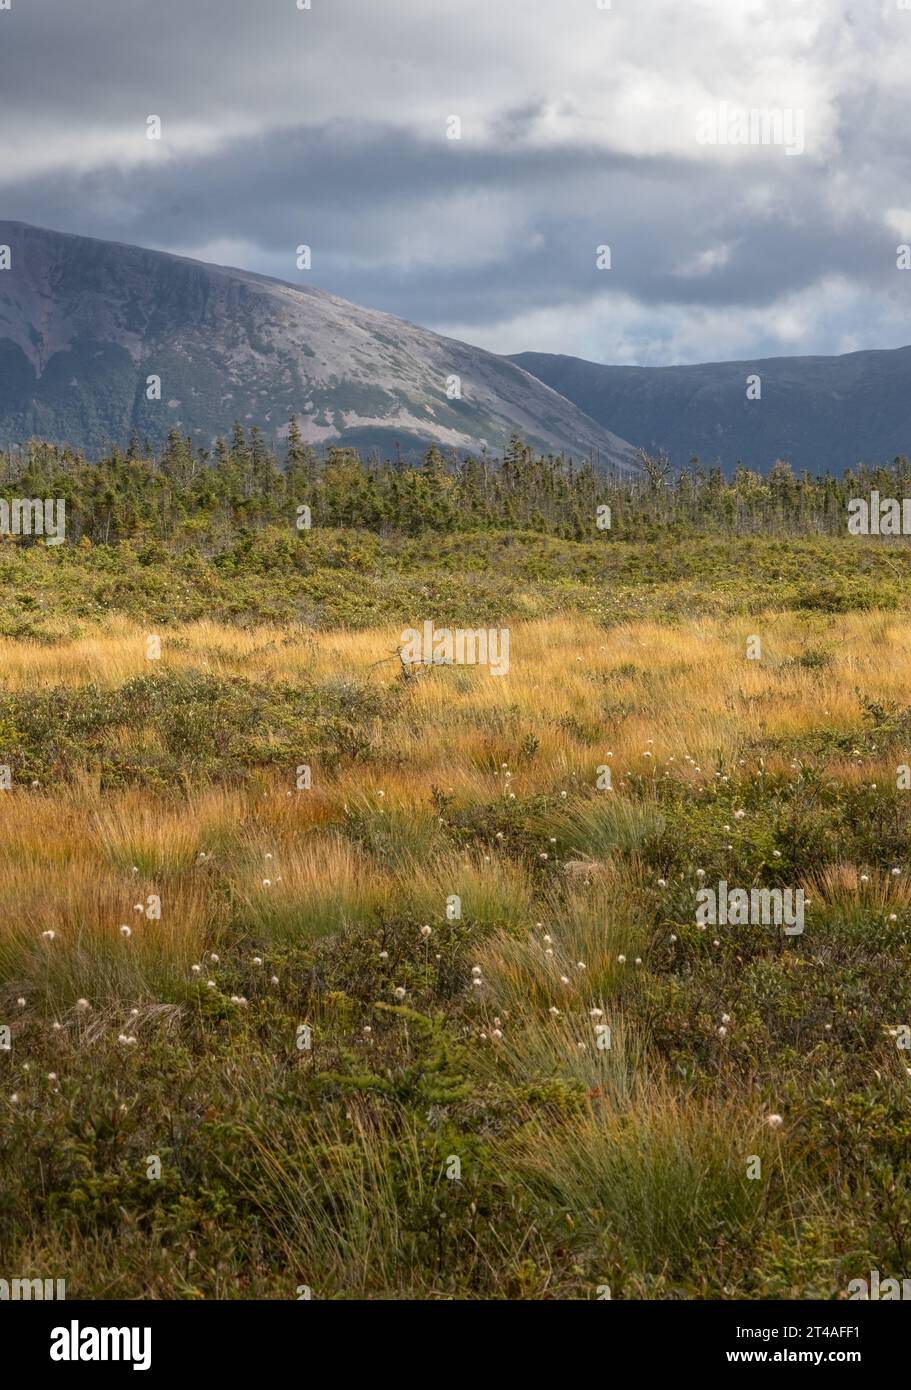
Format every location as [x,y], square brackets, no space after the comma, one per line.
[84,323]
[819,413]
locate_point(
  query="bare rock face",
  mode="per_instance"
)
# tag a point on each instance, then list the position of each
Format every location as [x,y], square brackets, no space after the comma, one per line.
[85,324]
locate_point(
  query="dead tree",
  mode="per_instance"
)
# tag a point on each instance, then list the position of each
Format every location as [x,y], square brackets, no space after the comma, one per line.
[656,468]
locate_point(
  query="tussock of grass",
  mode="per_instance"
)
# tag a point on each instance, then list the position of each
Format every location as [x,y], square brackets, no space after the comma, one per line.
[657,1185]
[593,829]
[307,888]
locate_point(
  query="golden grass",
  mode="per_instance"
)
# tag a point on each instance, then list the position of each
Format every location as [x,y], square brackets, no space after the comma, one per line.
[689,688]
[646,698]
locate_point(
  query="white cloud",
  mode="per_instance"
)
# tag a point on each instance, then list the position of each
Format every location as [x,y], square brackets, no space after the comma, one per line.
[465,226]
[617,329]
[705,262]
[898,221]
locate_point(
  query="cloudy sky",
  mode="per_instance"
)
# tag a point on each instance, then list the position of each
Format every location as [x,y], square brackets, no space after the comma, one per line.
[581,127]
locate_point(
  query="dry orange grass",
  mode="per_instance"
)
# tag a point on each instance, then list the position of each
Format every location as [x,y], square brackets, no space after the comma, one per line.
[643,697]
[79,865]
[687,687]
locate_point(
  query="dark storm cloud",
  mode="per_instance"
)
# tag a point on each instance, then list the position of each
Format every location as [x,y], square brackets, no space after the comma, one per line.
[285,186]
[328,127]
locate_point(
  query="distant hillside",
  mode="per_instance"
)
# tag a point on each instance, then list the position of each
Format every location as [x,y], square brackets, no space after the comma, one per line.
[820,413]
[83,323]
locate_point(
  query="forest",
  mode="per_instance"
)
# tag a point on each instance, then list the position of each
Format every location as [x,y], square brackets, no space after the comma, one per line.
[246,482]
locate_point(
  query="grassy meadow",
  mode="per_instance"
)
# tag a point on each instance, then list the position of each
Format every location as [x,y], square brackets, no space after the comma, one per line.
[313,1071]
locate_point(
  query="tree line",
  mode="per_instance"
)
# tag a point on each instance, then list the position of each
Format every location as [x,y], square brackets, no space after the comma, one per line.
[208,497]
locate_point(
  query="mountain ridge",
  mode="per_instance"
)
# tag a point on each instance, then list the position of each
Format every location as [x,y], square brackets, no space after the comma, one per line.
[822,413]
[85,322]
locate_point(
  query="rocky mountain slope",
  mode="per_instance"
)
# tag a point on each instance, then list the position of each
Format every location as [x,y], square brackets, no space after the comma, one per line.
[84,324]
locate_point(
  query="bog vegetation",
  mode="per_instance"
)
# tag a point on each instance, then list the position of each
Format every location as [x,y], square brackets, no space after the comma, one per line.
[363,1050]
